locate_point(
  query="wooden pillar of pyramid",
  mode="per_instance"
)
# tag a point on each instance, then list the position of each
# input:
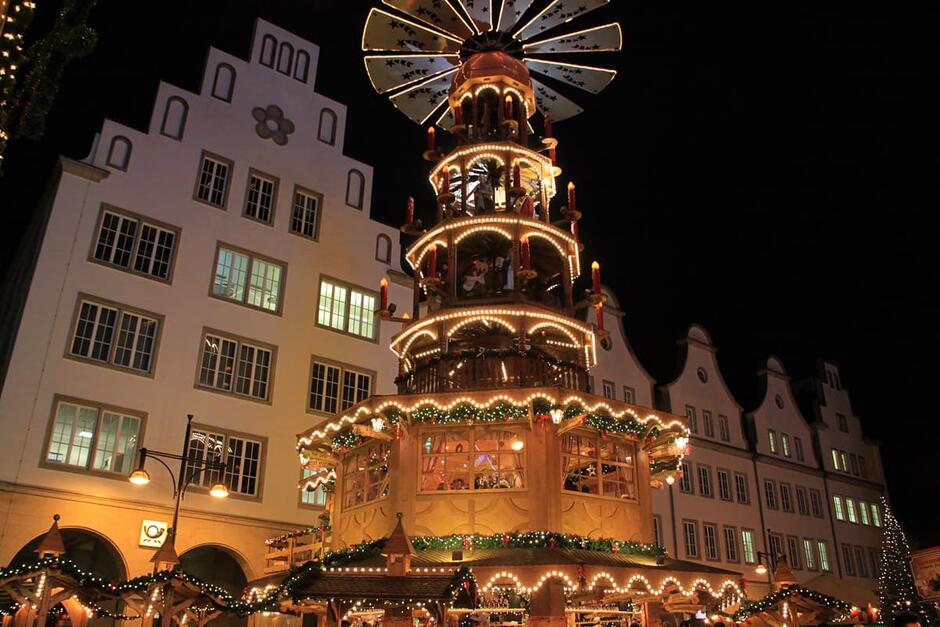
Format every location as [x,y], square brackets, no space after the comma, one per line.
[161,594]
[398,552]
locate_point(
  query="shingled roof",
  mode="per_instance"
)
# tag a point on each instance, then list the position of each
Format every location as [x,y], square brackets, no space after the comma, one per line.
[398,542]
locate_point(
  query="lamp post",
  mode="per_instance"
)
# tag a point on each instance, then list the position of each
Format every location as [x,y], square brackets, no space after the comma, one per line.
[167,553]
[772,560]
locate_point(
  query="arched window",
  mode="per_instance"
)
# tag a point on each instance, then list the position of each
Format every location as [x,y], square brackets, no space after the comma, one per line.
[302,66]
[285,58]
[355,188]
[268,46]
[383,248]
[224,84]
[327,133]
[119,154]
[174,117]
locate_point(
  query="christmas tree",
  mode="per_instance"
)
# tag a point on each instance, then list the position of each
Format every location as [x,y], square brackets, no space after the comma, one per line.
[895,582]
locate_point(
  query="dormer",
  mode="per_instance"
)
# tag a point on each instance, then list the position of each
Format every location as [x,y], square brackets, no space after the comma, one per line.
[779,427]
[398,551]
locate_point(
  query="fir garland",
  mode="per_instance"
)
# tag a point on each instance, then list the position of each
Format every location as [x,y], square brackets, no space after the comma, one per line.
[465,412]
[535,539]
[750,608]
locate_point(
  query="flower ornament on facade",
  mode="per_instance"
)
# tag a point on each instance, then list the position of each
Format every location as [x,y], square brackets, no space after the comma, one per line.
[272,124]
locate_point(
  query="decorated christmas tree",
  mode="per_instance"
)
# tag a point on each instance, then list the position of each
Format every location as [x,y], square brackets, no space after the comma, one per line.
[895,582]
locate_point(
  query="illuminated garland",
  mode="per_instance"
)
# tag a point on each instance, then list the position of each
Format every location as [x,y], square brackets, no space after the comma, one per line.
[466,412]
[601,421]
[532,353]
[535,539]
[750,608]
[321,531]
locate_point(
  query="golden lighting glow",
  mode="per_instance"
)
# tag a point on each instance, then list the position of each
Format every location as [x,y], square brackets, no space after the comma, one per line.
[139,477]
[761,569]
[595,265]
[517,444]
[383,282]
[219,491]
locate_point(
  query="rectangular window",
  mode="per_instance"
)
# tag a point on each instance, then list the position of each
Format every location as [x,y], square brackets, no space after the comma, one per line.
[847,560]
[685,482]
[802,502]
[347,309]
[770,493]
[843,422]
[815,500]
[476,458]
[690,538]
[629,394]
[786,498]
[798,448]
[873,562]
[749,546]
[845,460]
[241,454]
[658,530]
[772,440]
[776,547]
[260,197]
[365,477]
[785,444]
[247,278]
[708,424]
[809,554]
[690,416]
[305,213]
[862,468]
[134,243]
[823,556]
[724,485]
[334,387]
[860,562]
[704,481]
[836,460]
[108,333]
[853,463]
[863,513]
[237,366]
[838,507]
[608,388]
[723,432]
[876,514]
[317,496]
[793,552]
[710,536]
[93,437]
[740,488]
[605,467]
[731,544]
[850,511]
[212,184]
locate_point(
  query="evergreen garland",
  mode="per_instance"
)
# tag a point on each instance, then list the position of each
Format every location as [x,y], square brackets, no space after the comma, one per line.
[750,608]
[535,539]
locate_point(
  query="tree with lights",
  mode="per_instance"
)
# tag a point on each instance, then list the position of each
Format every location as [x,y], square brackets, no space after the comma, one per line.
[895,582]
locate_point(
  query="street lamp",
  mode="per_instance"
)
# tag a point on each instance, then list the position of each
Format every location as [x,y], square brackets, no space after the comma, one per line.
[181,481]
[772,560]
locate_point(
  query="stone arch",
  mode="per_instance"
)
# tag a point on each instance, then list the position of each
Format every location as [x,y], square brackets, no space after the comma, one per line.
[217,564]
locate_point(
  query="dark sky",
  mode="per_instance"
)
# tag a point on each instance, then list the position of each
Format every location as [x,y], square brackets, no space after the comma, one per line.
[764,171]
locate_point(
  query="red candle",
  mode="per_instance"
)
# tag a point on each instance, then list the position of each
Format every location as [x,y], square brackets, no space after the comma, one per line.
[548,126]
[445,181]
[516,176]
[411,210]
[524,249]
[431,139]
[553,156]
[599,316]
[572,205]
[432,260]
[458,115]
[575,231]
[509,107]
[383,294]
[596,276]
[528,207]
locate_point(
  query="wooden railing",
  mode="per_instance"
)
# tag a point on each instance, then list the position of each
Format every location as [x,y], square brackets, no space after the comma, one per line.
[283,554]
[478,373]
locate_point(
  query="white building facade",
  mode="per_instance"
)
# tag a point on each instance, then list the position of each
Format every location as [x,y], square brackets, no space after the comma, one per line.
[223,264]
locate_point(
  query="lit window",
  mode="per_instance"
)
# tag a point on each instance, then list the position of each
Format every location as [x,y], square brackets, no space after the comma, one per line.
[836,460]
[785,444]
[240,454]
[471,459]
[236,366]
[690,537]
[130,242]
[603,467]
[850,510]
[336,387]
[93,437]
[365,476]
[772,440]
[245,278]
[346,308]
[863,513]
[838,507]
[260,198]
[749,546]
[710,535]
[731,544]
[212,186]
[876,514]
[110,334]
[809,554]
[305,213]
[317,496]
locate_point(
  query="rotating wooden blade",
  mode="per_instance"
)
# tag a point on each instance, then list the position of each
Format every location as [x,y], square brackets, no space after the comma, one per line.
[394,71]
[481,12]
[390,33]
[558,12]
[598,39]
[419,101]
[586,77]
[510,13]
[437,13]
[552,104]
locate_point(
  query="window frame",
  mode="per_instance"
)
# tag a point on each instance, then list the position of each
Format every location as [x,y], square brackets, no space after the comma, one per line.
[141,221]
[608,385]
[300,189]
[737,486]
[786,504]
[714,527]
[341,488]
[262,462]
[708,424]
[240,340]
[785,445]
[802,504]
[335,124]
[695,537]
[254,172]
[746,532]
[166,115]
[382,237]
[343,368]
[230,93]
[848,561]
[658,530]
[710,492]
[360,203]
[300,498]
[252,257]
[815,503]
[798,448]
[57,399]
[810,559]
[205,154]
[629,395]
[838,508]
[597,461]
[122,309]
[772,441]
[350,287]
[823,557]
[110,160]
[732,544]
[770,497]
[727,475]
[691,420]
[517,428]
[686,477]
[724,428]
[793,552]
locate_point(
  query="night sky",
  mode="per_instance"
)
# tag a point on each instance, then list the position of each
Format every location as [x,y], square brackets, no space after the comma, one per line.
[763,171]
